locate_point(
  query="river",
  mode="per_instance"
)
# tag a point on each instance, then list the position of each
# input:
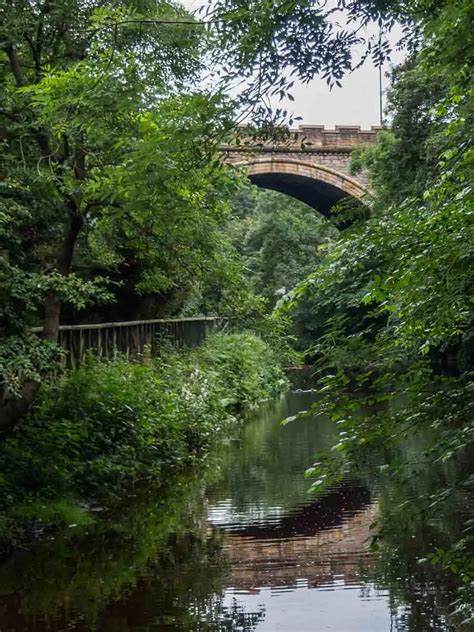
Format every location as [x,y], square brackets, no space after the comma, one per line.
[242,547]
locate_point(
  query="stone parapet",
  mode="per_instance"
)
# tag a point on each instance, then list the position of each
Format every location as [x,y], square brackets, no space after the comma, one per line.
[311,138]
[341,135]
[311,163]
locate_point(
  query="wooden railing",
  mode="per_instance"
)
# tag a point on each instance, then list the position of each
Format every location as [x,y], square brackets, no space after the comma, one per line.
[132,339]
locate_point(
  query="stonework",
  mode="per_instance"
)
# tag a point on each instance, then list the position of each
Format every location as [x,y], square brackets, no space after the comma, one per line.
[311,151]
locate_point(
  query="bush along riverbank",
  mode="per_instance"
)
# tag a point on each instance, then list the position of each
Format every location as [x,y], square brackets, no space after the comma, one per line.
[98,431]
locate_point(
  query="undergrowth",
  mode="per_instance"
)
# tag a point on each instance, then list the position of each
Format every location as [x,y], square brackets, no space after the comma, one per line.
[110,424]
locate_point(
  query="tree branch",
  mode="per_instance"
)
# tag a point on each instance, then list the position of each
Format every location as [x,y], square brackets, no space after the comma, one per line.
[15,65]
[10,115]
[166,22]
[40,135]
[35,55]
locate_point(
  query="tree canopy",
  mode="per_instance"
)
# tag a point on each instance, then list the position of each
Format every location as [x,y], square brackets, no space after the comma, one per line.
[111,181]
[280,240]
[388,316]
[113,188]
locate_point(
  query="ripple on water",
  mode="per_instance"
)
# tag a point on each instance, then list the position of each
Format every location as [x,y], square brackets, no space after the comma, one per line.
[296,562]
[251,553]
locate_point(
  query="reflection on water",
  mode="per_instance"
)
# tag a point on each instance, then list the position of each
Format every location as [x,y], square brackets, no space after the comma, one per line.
[294,559]
[250,550]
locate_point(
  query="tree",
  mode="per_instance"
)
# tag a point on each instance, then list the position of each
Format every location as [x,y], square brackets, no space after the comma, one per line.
[108,162]
[281,241]
[263,46]
[396,264]
[389,314]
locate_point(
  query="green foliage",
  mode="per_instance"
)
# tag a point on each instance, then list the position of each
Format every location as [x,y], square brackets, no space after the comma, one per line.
[246,381]
[24,292]
[163,210]
[26,358]
[406,156]
[272,242]
[423,533]
[410,265]
[110,424]
[262,40]
[281,242]
[388,315]
[109,161]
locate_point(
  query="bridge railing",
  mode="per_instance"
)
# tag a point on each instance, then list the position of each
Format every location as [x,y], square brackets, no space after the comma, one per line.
[306,138]
[133,338]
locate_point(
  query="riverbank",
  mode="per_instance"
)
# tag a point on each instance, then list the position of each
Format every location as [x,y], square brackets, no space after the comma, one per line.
[108,426]
[238,541]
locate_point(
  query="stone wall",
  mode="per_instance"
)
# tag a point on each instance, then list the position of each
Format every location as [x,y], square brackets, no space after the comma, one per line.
[310,144]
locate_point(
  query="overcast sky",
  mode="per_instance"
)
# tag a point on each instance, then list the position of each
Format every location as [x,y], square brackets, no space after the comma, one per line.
[356,103]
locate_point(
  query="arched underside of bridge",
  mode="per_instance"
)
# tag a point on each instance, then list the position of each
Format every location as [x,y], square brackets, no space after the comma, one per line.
[318,186]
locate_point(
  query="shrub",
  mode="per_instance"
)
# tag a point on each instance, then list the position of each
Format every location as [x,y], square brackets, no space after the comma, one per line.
[245,366]
[109,424]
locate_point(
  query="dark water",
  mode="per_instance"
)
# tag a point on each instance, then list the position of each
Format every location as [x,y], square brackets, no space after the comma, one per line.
[295,562]
[243,547]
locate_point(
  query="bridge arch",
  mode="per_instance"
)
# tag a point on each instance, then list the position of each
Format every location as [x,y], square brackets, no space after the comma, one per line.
[317,185]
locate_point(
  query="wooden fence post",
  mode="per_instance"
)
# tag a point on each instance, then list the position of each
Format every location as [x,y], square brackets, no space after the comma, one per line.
[106,340]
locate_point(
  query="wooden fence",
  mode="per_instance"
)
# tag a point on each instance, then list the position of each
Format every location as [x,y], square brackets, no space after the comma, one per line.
[133,338]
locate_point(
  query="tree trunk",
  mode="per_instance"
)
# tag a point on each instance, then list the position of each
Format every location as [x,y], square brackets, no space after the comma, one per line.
[52,308]
[52,318]
[13,409]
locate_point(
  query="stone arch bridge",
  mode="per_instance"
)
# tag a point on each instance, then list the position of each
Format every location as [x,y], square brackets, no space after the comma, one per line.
[312,165]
